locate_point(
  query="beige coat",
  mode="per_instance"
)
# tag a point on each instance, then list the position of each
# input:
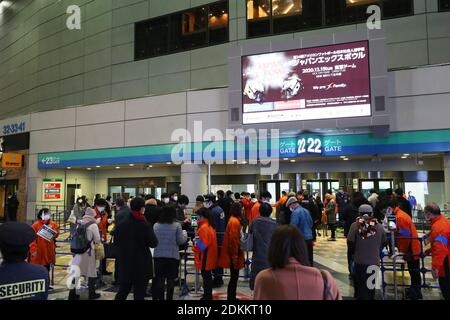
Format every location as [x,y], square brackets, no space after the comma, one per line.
[86,261]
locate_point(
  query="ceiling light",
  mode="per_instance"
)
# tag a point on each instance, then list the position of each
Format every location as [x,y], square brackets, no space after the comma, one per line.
[292,160]
[97,166]
[168,162]
[406,154]
[68,168]
[342,157]
[234,160]
[289,8]
[88,168]
[404,157]
[150,166]
[244,162]
[117,167]
[285,159]
[345,159]
[131,165]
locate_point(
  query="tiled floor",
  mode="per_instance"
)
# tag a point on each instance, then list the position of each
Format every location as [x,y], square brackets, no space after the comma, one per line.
[329,255]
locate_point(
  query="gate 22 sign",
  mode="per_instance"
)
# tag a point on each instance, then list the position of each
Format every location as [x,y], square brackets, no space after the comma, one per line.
[303,145]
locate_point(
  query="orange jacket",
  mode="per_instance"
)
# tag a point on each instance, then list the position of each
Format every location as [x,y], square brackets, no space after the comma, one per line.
[231,246]
[405,231]
[103,225]
[439,237]
[248,205]
[205,247]
[254,213]
[43,251]
[282,200]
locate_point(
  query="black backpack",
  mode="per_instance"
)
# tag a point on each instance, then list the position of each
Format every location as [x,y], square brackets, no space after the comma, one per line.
[80,243]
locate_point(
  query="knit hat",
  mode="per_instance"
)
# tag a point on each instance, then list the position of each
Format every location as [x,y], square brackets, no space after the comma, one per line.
[292,194]
[365,209]
[290,201]
[152,202]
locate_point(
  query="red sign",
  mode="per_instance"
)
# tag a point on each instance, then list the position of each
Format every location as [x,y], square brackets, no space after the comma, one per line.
[52,191]
[307,84]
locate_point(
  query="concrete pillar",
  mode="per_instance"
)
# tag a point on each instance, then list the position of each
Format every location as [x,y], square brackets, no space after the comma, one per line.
[447,180]
[194,179]
[34,187]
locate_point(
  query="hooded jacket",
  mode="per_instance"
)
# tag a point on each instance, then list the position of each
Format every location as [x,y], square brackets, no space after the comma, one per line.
[439,237]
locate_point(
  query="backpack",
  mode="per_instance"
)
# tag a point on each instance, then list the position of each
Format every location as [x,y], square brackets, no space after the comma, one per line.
[80,243]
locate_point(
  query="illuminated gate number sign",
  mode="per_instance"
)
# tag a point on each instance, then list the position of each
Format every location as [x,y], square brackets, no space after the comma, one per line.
[309,145]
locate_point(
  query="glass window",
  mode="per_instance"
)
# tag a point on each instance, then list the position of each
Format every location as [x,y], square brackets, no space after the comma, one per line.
[193,28]
[397,8]
[444,5]
[293,15]
[218,23]
[141,44]
[158,36]
[258,17]
[347,11]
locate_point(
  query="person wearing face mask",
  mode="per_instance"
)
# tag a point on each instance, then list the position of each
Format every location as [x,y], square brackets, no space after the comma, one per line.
[42,250]
[219,224]
[173,198]
[165,199]
[264,197]
[301,218]
[440,249]
[248,205]
[102,217]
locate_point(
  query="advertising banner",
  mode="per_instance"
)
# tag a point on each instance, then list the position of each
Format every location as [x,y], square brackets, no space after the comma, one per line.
[52,190]
[325,82]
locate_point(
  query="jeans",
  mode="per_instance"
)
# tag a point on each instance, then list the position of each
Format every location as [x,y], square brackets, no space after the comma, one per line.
[166,269]
[232,285]
[362,292]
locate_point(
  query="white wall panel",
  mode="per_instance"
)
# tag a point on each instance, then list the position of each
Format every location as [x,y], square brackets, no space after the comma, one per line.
[212,120]
[207,100]
[152,131]
[156,106]
[53,119]
[54,140]
[101,113]
[101,136]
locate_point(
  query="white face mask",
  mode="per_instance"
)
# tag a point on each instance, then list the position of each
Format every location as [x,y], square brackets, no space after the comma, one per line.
[207,205]
[101,209]
[166,200]
[46,217]
[292,209]
[80,201]
[175,198]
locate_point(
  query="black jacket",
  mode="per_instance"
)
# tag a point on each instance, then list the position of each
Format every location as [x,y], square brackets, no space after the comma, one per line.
[134,238]
[122,215]
[349,216]
[313,209]
[152,213]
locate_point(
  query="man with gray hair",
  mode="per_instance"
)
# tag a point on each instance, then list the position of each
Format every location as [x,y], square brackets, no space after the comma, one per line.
[440,250]
[365,240]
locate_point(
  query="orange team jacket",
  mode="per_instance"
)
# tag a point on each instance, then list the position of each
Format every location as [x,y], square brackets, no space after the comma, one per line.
[231,246]
[205,247]
[282,200]
[254,213]
[439,236]
[248,205]
[103,222]
[406,229]
[43,251]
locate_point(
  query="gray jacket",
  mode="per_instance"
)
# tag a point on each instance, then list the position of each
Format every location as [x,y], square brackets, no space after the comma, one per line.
[170,238]
[262,229]
[331,212]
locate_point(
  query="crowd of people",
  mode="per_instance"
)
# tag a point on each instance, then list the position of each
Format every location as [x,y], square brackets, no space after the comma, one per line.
[281,237]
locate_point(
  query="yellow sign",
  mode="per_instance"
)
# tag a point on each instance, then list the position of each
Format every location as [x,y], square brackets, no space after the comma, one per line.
[12,160]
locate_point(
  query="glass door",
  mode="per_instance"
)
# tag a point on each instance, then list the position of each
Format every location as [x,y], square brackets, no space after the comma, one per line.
[275,187]
[320,187]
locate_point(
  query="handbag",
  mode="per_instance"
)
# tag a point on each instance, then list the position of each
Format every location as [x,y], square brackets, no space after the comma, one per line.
[72,218]
[99,251]
[247,242]
[111,250]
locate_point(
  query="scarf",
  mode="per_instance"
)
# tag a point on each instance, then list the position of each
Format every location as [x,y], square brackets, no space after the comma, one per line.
[366,226]
[138,215]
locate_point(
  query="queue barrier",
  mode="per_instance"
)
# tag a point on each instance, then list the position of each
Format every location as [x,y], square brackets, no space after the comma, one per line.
[384,269]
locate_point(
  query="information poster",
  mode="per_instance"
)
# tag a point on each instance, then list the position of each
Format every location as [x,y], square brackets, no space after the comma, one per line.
[52,190]
[307,84]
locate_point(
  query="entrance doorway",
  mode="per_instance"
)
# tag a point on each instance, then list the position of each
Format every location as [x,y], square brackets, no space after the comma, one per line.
[6,187]
[71,195]
[365,185]
[275,187]
[320,187]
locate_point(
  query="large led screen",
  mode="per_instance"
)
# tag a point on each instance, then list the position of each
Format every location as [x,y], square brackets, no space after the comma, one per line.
[307,84]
